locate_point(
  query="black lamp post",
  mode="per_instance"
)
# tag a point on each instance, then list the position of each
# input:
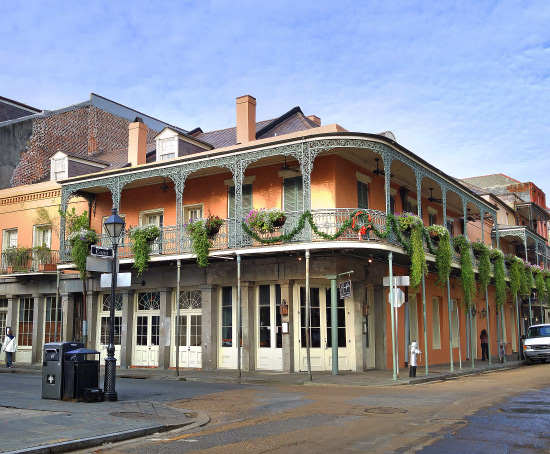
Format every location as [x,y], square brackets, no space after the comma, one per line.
[114,226]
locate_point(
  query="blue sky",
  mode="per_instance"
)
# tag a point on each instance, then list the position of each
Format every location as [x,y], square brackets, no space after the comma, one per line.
[463,84]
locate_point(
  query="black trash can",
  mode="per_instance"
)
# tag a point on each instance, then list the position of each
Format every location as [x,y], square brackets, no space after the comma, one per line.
[52,368]
[80,373]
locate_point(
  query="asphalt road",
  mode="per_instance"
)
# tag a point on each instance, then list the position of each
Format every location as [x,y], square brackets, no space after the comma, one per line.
[500,412]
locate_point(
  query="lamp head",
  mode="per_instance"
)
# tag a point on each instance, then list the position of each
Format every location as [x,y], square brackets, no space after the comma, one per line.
[114,225]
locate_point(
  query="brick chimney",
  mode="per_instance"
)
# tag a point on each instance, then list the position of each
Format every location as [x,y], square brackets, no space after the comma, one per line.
[137,142]
[246,119]
[315,119]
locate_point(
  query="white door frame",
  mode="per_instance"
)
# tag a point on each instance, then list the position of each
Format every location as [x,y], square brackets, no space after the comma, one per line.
[147,355]
[190,309]
[104,312]
[268,358]
[321,357]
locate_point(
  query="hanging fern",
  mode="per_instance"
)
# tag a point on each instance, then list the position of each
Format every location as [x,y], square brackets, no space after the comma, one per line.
[515,273]
[444,253]
[467,276]
[142,236]
[500,278]
[484,267]
[540,284]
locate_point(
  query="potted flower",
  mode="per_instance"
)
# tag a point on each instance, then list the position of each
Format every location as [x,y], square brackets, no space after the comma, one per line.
[437,232]
[15,258]
[265,221]
[407,221]
[43,255]
[212,224]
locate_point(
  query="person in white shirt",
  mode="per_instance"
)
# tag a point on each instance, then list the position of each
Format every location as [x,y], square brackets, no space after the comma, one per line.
[9,346]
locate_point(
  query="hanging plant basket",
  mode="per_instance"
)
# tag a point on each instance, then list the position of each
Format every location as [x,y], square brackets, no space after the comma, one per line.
[279,222]
[212,230]
[212,225]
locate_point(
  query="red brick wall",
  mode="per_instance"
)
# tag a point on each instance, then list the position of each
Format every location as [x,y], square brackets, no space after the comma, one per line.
[85,131]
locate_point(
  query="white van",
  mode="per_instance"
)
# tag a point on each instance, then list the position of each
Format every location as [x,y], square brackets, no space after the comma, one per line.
[536,345]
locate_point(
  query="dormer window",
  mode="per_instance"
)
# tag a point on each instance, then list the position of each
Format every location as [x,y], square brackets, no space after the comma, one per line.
[59,167]
[168,148]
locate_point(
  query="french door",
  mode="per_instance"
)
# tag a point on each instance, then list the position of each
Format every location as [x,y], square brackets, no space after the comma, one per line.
[105,323]
[190,330]
[269,351]
[147,324]
[320,331]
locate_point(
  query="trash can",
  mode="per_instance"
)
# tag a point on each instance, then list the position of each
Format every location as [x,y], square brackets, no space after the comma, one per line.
[80,373]
[52,368]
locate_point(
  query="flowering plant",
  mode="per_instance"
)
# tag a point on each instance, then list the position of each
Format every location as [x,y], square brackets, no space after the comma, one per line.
[212,224]
[265,221]
[141,237]
[83,235]
[437,231]
[407,221]
[148,232]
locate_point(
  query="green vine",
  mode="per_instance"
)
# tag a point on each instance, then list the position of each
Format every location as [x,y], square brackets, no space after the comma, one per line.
[484,267]
[467,276]
[515,273]
[443,258]
[80,242]
[527,283]
[200,241]
[500,278]
[546,275]
[540,285]
[141,237]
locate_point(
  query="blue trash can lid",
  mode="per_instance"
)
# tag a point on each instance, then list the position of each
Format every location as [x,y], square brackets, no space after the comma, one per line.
[83,351]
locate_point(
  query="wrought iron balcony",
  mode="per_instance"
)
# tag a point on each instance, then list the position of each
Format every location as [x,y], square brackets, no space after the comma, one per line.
[24,260]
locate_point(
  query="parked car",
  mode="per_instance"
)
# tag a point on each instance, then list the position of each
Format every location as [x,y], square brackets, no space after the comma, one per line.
[536,345]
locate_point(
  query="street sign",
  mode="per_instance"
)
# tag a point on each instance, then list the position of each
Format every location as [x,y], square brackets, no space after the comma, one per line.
[345,289]
[399,297]
[398,281]
[100,251]
[122,280]
[99,264]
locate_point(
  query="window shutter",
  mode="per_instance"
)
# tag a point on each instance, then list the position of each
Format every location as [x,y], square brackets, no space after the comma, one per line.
[362,195]
[293,195]
[247,200]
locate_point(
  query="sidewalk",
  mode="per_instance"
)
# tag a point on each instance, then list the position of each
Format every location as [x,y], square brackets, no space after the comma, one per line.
[344,378]
[40,426]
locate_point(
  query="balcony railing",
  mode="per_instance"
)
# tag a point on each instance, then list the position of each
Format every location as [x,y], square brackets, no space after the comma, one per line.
[175,240]
[22,261]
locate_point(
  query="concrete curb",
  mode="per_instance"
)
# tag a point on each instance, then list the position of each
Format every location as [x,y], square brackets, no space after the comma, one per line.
[91,442]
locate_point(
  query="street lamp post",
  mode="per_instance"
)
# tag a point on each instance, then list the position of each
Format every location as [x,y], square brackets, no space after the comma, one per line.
[114,226]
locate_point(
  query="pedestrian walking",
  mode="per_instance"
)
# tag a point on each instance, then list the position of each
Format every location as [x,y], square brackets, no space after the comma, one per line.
[415,351]
[9,347]
[484,345]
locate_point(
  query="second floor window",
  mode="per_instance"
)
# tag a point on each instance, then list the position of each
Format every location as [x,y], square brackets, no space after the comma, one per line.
[293,194]
[43,236]
[362,195]
[10,238]
[247,200]
[432,219]
[450,226]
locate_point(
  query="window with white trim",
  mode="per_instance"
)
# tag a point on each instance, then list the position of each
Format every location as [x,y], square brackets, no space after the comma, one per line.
[168,148]
[192,212]
[9,238]
[26,309]
[42,235]
[59,168]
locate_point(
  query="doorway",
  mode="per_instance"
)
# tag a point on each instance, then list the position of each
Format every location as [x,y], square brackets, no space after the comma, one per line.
[147,323]
[190,330]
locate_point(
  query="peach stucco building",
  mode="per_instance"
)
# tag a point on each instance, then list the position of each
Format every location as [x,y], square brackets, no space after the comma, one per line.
[295,164]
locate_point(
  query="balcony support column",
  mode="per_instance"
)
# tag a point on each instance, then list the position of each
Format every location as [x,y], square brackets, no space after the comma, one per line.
[482,211]
[444,203]
[237,169]
[419,176]
[387,160]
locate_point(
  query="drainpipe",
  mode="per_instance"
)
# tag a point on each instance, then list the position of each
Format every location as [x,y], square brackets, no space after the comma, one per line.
[334,324]
[473,341]
[458,329]
[425,328]
[407,323]
[450,309]
[308,342]
[239,315]
[57,303]
[178,283]
[390,261]
[518,334]
[488,325]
